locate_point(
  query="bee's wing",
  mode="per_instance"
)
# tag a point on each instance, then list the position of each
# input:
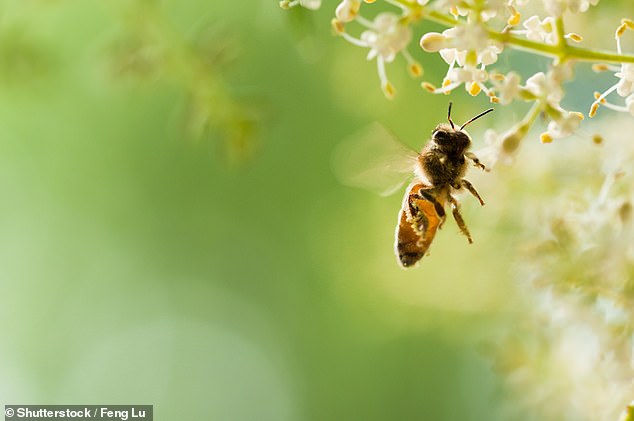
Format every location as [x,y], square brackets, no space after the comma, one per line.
[374,159]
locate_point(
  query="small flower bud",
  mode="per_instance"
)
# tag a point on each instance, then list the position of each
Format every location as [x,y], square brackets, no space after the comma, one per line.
[545,138]
[388,90]
[284,4]
[432,42]
[600,67]
[415,69]
[515,17]
[497,76]
[625,213]
[428,87]
[347,10]
[576,114]
[512,138]
[574,37]
[337,25]
[474,89]
[593,110]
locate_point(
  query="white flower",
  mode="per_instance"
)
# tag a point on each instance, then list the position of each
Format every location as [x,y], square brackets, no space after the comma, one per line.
[625,85]
[387,37]
[489,54]
[470,37]
[468,46]
[565,125]
[310,4]
[452,56]
[558,7]
[467,74]
[581,5]
[545,87]
[347,10]
[471,76]
[462,39]
[540,31]
[487,10]
[508,88]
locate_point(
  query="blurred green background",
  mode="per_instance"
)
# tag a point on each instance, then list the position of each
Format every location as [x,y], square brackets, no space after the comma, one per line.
[224,273]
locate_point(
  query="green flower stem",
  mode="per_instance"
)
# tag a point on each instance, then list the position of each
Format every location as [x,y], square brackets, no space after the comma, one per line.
[532,114]
[561,51]
[561,34]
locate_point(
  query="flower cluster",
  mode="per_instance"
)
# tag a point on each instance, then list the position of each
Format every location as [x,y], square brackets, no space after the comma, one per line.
[572,355]
[478,32]
[625,73]
[386,36]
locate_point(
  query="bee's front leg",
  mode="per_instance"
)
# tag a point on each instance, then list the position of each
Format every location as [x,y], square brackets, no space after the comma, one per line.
[467,185]
[476,161]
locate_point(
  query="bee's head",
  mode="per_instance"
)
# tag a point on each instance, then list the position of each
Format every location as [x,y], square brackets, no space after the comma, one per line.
[451,139]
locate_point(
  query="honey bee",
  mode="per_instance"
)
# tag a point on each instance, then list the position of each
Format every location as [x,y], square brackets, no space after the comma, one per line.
[438,169]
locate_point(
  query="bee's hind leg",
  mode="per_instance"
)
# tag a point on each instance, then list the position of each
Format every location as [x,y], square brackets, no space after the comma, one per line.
[455,209]
[440,211]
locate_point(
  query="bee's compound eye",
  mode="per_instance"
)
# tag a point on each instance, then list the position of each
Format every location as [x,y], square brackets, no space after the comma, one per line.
[440,136]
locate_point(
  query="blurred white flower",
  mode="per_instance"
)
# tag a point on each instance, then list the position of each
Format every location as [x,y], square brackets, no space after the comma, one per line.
[347,10]
[308,4]
[565,125]
[469,37]
[539,30]
[471,76]
[486,10]
[558,7]
[387,37]
[489,54]
[625,85]
[453,56]
[545,87]
[507,88]
[466,46]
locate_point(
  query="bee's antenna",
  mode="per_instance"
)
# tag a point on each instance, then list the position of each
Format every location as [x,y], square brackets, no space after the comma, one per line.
[449,115]
[474,118]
